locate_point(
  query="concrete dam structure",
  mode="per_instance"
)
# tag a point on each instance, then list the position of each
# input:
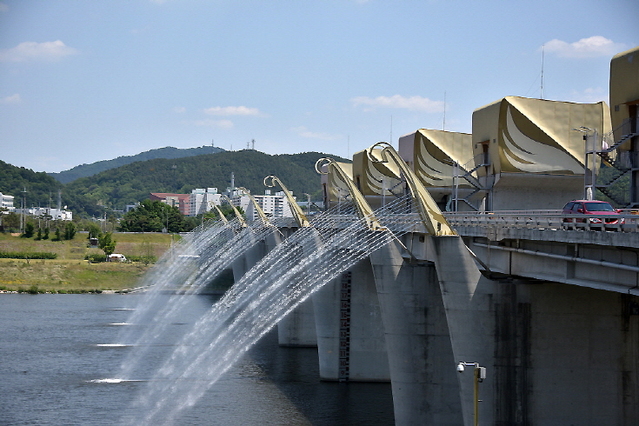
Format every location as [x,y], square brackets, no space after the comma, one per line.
[447,268]
[417,308]
[538,322]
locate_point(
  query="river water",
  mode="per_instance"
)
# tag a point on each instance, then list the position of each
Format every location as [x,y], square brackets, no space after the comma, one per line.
[54,353]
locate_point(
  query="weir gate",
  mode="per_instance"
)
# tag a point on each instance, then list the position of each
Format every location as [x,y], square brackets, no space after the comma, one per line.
[537,320]
[552,314]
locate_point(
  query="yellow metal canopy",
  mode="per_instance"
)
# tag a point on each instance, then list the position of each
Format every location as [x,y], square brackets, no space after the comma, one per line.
[374,177]
[432,154]
[536,135]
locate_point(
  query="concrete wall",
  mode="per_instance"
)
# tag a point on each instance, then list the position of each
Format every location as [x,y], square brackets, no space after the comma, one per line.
[583,364]
[298,327]
[350,334]
[555,353]
[422,366]
[519,191]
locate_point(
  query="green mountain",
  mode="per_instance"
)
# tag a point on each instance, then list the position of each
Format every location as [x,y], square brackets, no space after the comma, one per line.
[115,188]
[170,152]
[39,188]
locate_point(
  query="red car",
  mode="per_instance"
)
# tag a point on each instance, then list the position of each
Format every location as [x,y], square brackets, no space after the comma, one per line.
[600,214]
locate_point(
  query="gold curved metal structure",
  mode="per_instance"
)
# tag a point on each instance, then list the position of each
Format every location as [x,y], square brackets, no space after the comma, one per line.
[258,209]
[375,177]
[364,209]
[300,217]
[222,217]
[430,214]
[237,213]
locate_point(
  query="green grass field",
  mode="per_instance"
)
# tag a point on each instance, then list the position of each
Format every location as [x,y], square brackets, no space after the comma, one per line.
[69,272]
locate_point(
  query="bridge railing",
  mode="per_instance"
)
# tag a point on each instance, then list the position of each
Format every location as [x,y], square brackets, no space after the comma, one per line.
[543,220]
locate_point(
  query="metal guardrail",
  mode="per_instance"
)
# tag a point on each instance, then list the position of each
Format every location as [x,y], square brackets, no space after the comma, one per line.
[541,220]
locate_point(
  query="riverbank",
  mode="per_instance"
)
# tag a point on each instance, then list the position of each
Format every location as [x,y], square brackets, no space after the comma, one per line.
[69,272]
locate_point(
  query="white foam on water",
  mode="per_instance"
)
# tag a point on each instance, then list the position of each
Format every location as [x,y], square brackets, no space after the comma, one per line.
[106,381]
[115,381]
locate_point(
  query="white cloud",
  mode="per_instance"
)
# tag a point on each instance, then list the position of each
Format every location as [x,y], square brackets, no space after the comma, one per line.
[590,47]
[232,110]
[305,133]
[179,110]
[412,103]
[219,124]
[32,51]
[13,99]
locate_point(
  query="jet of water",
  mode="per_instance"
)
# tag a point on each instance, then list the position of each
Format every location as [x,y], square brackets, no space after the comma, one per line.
[187,270]
[287,276]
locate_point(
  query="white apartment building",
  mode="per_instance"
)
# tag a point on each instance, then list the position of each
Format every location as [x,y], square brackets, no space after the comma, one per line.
[202,200]
[7,201]
[274,206]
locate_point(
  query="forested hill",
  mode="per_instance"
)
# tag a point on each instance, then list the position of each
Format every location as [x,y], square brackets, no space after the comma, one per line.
[169,152]
[41,190]
[131,183]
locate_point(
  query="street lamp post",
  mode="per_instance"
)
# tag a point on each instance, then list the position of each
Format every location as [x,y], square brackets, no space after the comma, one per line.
[479,374]
[590,172]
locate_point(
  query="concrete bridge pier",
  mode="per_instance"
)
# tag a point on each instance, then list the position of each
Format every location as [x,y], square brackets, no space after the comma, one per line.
[422,366]
[258,249]
[297,329]
[350,334]
[467,298]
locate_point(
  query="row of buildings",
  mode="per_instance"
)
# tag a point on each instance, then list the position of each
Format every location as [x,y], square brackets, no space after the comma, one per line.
[202,200]
[199,201]
[7,206]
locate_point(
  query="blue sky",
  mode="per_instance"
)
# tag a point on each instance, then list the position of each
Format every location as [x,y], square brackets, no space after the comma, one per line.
[83,81]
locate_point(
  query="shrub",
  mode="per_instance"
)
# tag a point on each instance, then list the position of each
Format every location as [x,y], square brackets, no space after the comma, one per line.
[29,229]
[27,255]
[58,236]
[69,231]
[95,257]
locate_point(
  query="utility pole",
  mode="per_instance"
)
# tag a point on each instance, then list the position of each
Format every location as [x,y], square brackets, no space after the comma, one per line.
[23,219]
